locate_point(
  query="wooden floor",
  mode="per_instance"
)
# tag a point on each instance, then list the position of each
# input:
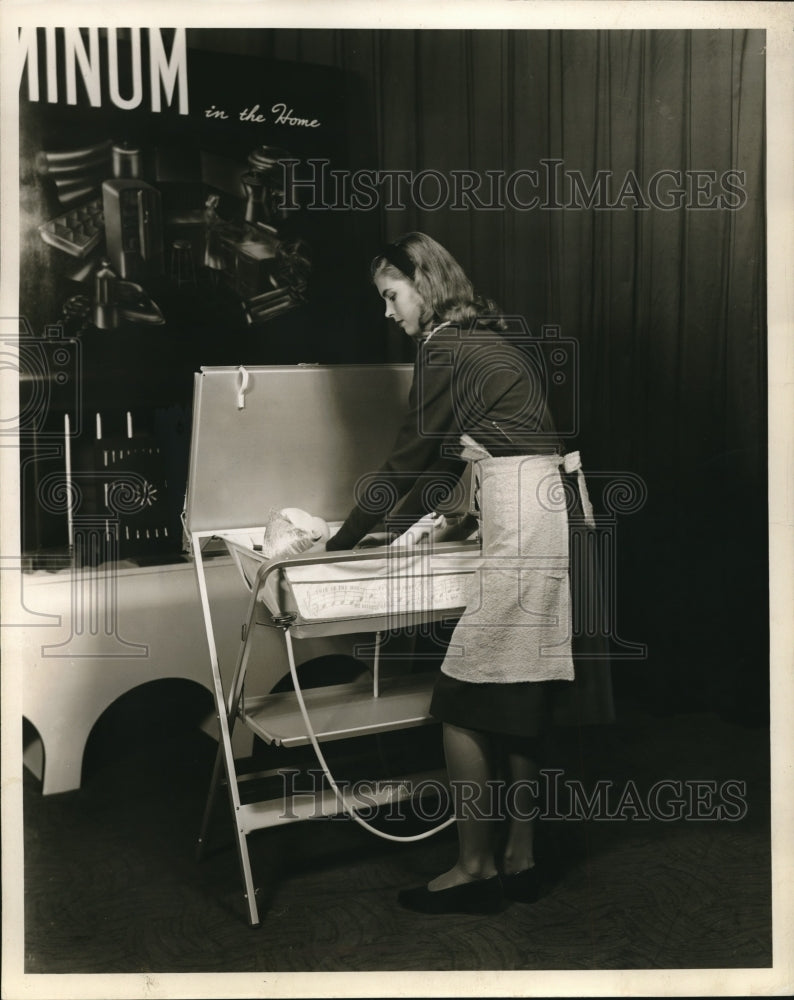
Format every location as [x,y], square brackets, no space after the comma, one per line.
[112,886]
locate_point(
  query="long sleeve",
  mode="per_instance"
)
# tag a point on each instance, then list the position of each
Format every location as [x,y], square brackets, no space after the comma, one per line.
[421,468]
[472,381]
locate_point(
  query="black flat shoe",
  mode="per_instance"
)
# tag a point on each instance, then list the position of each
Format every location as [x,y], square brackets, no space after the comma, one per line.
[523,887]
[482,896]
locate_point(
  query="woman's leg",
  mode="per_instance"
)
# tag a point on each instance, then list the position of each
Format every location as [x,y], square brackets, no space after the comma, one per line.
[469,759]
[521,804]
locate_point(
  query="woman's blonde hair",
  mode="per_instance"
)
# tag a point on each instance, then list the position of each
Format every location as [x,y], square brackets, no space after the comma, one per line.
[438,278]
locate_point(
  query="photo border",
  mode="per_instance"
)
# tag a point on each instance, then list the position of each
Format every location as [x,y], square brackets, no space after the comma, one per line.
[778,20]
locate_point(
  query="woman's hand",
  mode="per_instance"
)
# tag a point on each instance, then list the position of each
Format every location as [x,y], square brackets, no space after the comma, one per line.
[455,529]
[374,539]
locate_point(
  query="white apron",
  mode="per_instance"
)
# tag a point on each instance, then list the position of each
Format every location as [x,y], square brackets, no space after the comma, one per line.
[517,623]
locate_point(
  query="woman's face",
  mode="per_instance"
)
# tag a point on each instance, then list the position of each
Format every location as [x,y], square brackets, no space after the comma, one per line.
[403,303]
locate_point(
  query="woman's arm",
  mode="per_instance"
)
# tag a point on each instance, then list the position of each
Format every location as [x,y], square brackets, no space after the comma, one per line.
[418,469]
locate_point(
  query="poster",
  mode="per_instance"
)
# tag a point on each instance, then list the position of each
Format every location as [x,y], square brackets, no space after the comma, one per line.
[206,186]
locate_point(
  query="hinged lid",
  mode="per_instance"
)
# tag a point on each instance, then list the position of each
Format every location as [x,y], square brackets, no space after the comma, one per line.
[294,436]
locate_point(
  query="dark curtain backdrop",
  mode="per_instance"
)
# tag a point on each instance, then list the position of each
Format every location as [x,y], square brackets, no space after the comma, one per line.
[668,307]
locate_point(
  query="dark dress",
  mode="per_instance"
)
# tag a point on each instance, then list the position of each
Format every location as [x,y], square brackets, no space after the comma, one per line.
[489,387]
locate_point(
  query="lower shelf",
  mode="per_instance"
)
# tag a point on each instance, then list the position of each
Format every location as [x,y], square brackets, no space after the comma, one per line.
[340,711]
[364,796]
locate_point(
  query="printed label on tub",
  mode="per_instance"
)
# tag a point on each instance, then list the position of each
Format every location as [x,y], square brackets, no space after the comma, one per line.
[391,595]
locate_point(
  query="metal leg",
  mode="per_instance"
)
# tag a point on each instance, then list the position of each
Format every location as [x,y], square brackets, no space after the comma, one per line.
[376,666]
[205,822]
[242,850]
[226,720]
[231,715]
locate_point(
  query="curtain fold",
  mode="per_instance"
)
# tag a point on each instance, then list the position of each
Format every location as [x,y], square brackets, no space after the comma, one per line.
[664,292]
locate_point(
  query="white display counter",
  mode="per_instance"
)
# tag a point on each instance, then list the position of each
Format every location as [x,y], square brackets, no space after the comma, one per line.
[84,638]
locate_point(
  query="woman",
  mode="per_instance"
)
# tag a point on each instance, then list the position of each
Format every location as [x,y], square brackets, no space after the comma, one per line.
[478,396]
